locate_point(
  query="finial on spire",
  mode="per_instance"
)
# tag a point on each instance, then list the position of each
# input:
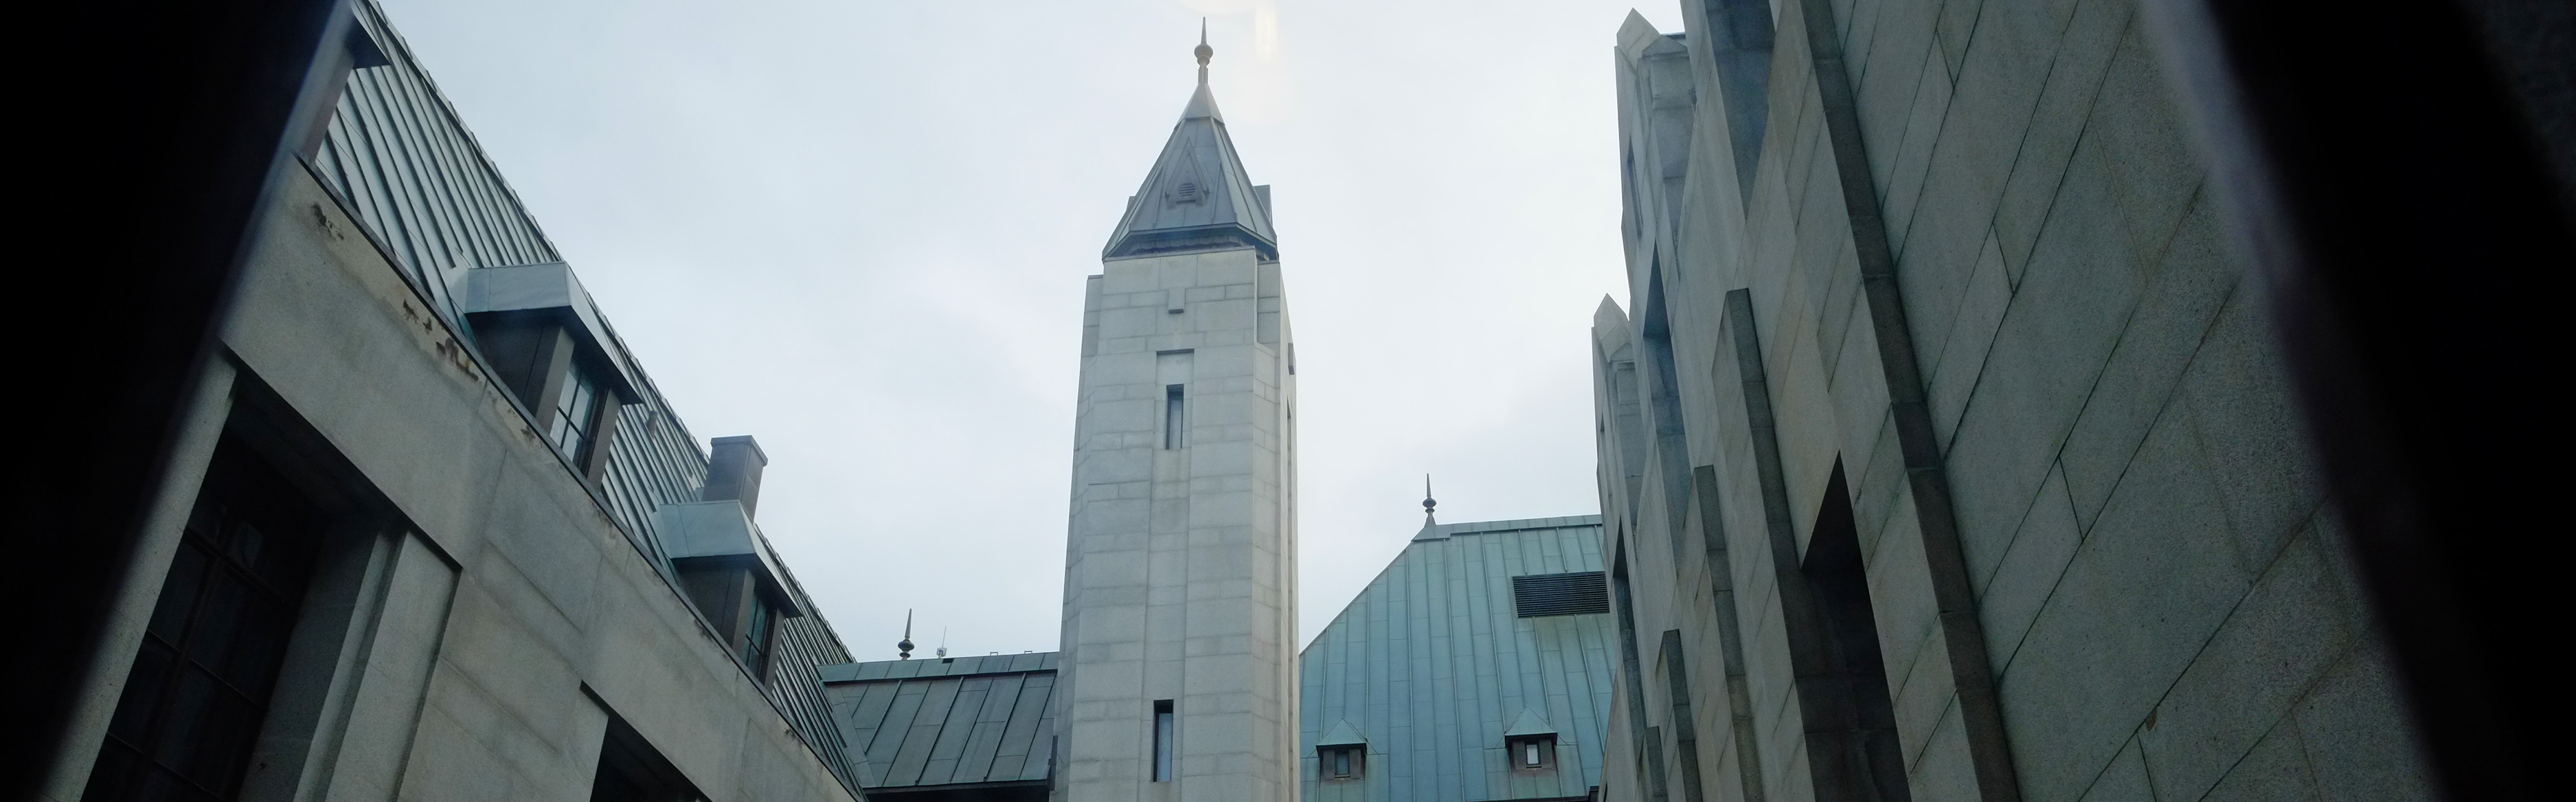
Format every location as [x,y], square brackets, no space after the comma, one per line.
[903,648]
[1203,51]
[1430,524]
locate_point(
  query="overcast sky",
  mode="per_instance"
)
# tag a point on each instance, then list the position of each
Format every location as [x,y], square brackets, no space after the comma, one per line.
[858,231]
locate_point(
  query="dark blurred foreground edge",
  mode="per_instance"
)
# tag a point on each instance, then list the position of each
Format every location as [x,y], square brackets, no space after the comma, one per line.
[2400,175]
[148,134]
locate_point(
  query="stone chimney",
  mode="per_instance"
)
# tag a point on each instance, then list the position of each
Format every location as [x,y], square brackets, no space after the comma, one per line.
[733,472]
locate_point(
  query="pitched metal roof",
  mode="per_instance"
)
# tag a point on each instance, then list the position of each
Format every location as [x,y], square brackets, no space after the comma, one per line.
[1432,666]
[1197,197]
[946,721]
[401,160]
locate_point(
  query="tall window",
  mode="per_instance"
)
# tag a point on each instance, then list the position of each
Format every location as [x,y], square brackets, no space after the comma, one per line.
[1172,418]
[756,639]
[200,687]
[576,415]
[1163,740]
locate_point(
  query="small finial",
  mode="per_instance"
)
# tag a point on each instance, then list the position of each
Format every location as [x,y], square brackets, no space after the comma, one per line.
[1427,501]
[1203,51]
[903,648]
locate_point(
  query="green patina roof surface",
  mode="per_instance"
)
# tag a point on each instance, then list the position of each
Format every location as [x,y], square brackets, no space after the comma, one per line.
[933,721]
[1431,666]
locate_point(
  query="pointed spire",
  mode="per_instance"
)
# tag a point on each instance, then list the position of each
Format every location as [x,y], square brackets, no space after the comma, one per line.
[1203,51]
[903,648]
[1197,197]
[1202,102]
[1430,525]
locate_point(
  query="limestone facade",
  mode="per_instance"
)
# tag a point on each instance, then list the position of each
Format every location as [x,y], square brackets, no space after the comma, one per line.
[1180,566]
[1945,453]
[433,471]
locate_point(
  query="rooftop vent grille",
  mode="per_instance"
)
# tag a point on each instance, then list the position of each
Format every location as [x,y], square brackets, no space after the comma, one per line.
[1561,594]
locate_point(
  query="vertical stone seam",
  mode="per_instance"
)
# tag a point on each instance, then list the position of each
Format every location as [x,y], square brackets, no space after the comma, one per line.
[1963,634]
[1649,740]
[1801,624]
[1730,634]
[1685,724]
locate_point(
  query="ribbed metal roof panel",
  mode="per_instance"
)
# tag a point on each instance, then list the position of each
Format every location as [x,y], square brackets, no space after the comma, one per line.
[953,721]
[1431,663]
[406,167]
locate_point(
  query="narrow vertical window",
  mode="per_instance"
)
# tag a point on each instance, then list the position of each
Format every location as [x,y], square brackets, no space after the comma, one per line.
[755,643]
[576,414]
[1172,416]
[1163,733]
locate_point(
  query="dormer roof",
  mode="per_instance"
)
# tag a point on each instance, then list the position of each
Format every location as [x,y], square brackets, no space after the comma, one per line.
[1530,723]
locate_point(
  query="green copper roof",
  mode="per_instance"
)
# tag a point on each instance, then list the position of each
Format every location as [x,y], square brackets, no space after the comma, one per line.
[1431,667]
[922,723]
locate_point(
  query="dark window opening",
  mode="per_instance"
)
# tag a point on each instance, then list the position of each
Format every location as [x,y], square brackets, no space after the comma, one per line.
[1855,669]
[630,770]
[1172,418]
[1531,752]
[199,691]
[1342,762]
[1578,593]
[1163,740]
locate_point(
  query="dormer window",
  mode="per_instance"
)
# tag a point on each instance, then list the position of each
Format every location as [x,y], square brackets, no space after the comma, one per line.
[1530,744]
[534,326]
[1341,754]
[1341,762]
[1532,752]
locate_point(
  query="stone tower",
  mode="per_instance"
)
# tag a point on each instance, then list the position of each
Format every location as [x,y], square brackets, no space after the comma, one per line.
[1180,595]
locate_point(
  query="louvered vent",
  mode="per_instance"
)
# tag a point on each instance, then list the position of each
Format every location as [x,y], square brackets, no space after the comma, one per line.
[1561,594]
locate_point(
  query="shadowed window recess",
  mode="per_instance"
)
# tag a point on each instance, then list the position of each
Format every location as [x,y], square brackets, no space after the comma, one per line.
[630,770]
[1163,741]
[200,688]
[1578,593]
[1530,744]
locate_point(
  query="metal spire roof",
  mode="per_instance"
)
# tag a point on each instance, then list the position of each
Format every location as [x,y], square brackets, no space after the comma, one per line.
[1197,197]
